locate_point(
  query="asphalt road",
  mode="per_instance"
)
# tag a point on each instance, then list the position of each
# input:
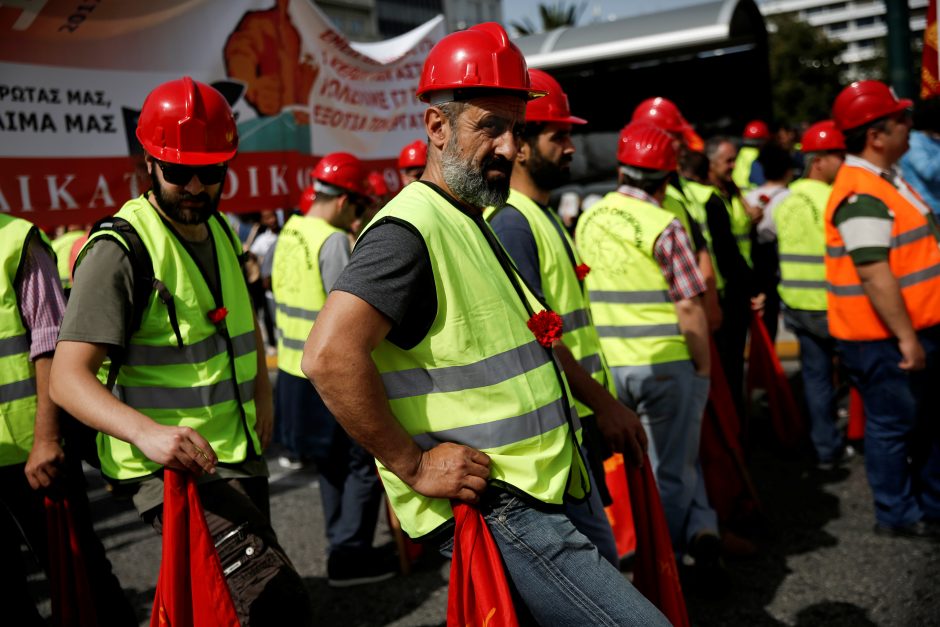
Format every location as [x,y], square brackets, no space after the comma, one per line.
[819,563]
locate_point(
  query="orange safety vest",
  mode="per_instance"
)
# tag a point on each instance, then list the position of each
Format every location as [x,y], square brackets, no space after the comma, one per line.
[914,258]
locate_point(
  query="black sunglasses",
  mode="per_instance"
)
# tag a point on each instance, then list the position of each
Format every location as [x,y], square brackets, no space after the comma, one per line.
[177,174]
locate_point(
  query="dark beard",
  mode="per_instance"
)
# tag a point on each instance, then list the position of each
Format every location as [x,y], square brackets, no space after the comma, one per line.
[546,174]
[170,203]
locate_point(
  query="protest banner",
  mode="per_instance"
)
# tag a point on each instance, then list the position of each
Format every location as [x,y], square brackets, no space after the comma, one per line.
[73,75]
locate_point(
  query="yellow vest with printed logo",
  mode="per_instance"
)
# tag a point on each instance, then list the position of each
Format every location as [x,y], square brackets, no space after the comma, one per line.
[635,316]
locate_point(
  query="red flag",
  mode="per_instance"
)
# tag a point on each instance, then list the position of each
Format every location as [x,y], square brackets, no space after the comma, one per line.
[72,604]
[765,371]
[929,74]
[856,430]
[727,480]
[191,589]
[479,593]
[620,512]
[654,567]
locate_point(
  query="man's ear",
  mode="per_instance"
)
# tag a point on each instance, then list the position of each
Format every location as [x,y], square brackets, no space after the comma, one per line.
[437,127]
[524,153]
[148,161]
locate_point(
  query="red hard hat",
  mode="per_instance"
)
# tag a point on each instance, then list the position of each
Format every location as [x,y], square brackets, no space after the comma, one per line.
[865,101]
[187,122]
[306,199]
[822,136]
[643,145]
[480,57]
[377,184]
[661,113]
[756,129]
[554,106]
[414,155]
[342,170]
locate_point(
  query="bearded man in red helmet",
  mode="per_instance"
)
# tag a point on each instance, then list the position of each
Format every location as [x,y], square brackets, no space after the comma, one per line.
[424,352]
[547,259]
[159,290]
[883,282]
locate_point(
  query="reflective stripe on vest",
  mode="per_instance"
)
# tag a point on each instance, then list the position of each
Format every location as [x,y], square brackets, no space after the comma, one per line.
[208,383]
[801,245]
[477,377]
[297,286]
[630,303]
[17,373]
[914,258]
[564,293]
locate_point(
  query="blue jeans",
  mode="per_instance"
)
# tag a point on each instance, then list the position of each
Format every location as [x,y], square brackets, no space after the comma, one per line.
[670,400]
[817,350]
[902,439]
[555,572]
[590,518]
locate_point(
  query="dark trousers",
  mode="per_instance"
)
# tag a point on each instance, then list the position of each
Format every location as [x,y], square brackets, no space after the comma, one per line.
[351,492]
[23,519]
[730,339]
[350,487]
[265,587]
[902,436]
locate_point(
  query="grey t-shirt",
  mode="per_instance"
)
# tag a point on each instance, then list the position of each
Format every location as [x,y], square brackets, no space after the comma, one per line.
[98,312]
[334,255]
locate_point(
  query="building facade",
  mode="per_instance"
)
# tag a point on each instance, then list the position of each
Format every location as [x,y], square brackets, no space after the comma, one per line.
[860,24]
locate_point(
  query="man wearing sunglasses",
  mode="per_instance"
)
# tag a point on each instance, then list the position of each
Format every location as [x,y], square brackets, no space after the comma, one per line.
[883,280]
[311,253]
[159,290]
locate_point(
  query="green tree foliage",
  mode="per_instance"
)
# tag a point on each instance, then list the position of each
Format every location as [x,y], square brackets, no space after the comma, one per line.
[553,16]
[805,72]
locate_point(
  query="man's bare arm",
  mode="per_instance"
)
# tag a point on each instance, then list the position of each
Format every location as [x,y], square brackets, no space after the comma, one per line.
[338,360]
[884,292]
[74,387]
[46,457]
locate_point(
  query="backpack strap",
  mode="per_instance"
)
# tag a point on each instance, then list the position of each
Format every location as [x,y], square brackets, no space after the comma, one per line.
[144,283]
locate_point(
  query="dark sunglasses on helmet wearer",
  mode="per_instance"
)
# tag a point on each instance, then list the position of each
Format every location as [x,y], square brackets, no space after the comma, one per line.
[177,174]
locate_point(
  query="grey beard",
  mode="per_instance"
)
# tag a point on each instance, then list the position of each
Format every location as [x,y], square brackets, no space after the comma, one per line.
[469,184]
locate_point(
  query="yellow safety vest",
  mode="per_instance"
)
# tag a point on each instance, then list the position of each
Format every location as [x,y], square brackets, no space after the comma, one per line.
[17,373]
[478,377]
[801,244]
[297,286]
[205,377]
[635,316]
[564,293]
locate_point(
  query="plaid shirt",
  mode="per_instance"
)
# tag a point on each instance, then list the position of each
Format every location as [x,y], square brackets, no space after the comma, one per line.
[42,303]
[673,252]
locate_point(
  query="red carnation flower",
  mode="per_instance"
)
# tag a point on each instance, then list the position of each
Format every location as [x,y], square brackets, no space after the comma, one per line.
[217,315]
[546,325]
[582,271]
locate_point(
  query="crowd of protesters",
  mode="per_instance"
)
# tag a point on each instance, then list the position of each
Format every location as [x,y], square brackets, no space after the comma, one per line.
[456,341]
